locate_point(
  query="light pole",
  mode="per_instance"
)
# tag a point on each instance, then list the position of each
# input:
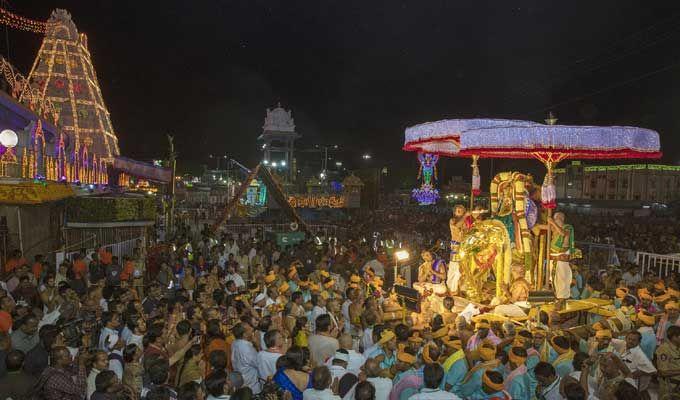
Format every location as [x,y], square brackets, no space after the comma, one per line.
[9,139]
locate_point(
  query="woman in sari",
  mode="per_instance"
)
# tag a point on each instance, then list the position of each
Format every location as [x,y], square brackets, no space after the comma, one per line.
[290,373]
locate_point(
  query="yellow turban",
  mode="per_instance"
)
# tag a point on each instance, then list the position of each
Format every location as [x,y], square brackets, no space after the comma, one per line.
[324,273]
[292,272]
[673,293]
[489,383]
[643,294]
[646,318]
[355,279]
[558,348]
[482,325]
[324,295]
[487,351]
[329,284]
[454,343]
[603,333]
[672,305]
[415,337]
[385,337]
[406,357]
[303,284]
[284,287]
[515,359]
[441,332]
[621,292]
[270,278]
[659,285]
[314,287]
[426,354]
[662,298]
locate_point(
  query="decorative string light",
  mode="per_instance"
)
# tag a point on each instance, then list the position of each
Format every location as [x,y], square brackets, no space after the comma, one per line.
[18,22]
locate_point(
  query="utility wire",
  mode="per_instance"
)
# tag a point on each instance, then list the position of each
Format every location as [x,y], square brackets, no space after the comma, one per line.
[610,56]
[605,89]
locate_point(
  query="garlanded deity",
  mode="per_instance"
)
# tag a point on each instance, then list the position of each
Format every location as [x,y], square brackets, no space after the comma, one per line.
[427,194]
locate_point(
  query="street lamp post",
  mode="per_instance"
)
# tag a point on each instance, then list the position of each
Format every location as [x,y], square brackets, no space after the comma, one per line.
[9,139]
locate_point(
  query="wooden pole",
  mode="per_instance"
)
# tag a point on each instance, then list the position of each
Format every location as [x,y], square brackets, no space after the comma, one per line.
[475,172]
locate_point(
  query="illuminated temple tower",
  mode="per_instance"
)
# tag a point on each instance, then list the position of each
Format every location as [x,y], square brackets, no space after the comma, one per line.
[278,135]
[64,74]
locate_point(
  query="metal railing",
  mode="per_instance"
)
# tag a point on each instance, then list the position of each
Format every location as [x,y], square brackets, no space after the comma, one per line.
[660,264]
[259,231]
[602,254]
[120,249]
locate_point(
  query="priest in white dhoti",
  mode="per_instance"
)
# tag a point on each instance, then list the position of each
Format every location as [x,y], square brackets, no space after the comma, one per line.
[458,224]
[561,249]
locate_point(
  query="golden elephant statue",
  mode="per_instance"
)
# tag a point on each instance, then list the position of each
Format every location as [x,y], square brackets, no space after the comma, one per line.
[486,246]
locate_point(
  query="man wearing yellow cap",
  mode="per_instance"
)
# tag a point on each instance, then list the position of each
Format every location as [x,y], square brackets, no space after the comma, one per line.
[645,323]
[410,380]
[517,382]
[484,332]
[491,387]
[455,366]
[563,363]
[669,318]
[488,361]
[293,278]
[621,293]
[388,345]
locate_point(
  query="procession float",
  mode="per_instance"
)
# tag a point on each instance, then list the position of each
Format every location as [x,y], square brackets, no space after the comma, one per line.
[520,241]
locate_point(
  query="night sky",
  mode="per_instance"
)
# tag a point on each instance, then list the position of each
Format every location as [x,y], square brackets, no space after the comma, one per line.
[356,73]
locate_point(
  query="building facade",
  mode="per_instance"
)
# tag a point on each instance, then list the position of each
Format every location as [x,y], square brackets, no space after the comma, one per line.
[633,182]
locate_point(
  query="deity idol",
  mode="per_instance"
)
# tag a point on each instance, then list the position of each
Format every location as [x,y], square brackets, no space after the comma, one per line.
[427,193]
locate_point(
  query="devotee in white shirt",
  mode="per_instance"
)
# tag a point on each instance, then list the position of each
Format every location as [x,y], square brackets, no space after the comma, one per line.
[232,275]
[231,248]
[637,362]
[321,382]
[432,377]
[244,356]
[266,359]
[338,367]
[383,386]
[319,309]
[356,360]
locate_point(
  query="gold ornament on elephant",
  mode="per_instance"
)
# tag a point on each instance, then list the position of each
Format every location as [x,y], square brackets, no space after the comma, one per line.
[486,246]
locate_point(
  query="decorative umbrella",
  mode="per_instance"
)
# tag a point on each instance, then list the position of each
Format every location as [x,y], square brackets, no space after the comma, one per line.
[444,138]
[552,143]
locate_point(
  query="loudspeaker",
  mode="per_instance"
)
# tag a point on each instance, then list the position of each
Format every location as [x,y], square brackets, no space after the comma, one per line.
[409,297]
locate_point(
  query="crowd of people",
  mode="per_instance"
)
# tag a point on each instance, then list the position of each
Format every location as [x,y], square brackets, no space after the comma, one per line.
[650,234]
[230,316]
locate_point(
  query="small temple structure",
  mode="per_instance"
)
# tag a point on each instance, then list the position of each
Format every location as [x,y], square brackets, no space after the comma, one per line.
[278,137]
